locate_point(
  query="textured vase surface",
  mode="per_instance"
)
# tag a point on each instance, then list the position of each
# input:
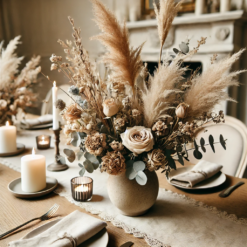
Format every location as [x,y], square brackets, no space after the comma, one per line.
[131,198]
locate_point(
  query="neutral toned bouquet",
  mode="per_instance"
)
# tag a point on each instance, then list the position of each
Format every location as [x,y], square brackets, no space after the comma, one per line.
[15,93]
[127,127]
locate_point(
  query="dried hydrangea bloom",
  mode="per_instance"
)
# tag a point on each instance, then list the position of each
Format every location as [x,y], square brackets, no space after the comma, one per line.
[113,163]
[136,113]
[156,159]
[117,146]
[95,143]
[160,128]
[60,104]
[74,90]
[73,113]
[3,104]
[54,66]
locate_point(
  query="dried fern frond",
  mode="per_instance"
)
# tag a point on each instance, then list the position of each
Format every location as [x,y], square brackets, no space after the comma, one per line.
[208,89]
[125,62]
[9,62]
[163,91]
[165,15]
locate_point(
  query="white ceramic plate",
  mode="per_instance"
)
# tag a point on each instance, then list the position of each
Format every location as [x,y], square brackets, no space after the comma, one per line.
[212,182]
[41,126]
[15,188]
[20,148]
[98,240]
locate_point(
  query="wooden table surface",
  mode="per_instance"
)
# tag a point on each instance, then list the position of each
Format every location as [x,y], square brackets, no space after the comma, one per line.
[15,211]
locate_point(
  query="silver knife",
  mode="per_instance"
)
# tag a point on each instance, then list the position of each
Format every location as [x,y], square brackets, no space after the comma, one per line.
[127,244]
[229,190]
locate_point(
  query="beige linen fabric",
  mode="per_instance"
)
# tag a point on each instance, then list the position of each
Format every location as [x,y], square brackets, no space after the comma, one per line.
[200,172]
[77,226]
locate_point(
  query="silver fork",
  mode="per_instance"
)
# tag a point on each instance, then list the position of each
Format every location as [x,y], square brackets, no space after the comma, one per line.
[45,216]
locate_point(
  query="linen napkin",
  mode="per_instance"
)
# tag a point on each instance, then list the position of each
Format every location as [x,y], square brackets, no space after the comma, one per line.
[45,119]
[200,172]
[71,231]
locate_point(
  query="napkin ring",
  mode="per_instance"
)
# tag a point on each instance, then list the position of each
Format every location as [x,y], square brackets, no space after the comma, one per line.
[69,237]
[201,172]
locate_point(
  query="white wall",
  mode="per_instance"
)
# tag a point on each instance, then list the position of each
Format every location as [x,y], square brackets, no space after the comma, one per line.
[41,23]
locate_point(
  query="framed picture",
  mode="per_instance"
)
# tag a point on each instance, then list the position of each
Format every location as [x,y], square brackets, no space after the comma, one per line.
[148,8]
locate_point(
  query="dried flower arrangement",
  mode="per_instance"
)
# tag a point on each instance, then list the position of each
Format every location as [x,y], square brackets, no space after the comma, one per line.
[124,127]
[15,94]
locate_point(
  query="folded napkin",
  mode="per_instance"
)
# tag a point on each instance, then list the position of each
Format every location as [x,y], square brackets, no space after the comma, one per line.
[71,231]
[45,119]
[200,172]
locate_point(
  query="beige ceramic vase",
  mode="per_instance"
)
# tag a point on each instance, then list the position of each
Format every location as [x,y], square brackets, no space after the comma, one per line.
[131,198]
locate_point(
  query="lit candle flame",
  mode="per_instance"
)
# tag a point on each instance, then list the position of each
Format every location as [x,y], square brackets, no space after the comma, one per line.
[43,138]
[7,123]
[33,151]
[54,84]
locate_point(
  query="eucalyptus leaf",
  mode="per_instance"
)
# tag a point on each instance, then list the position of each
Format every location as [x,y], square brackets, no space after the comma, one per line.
[88,166]
[195,144]
[139,166]
[171,163]
[184,47]
[75,139]
[130,173]
[176,50]
[202,142]
[61,159]
[222,142]
[179,149]
[93,159]
[211,142]
[82,171]
[70,154]
[141,178]
[79,155]
[82,135]
[197,154]
[80,165]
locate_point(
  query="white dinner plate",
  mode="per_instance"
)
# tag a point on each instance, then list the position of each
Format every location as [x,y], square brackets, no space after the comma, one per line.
[36,127]
[15,188]
[212,182]
[98,240]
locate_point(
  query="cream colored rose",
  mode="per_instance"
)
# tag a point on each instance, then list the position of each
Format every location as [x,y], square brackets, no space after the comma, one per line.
[110,107]
[156,159]
[181,110]
[138,139]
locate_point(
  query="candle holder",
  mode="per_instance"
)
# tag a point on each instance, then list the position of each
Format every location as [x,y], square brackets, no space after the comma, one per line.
[57,165]
[43,141]
[82,189]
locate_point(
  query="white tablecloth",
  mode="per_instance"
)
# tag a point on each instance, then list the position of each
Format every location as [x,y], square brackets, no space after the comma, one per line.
[175,220]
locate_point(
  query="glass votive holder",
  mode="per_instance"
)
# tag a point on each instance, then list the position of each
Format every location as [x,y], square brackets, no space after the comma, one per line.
[82,189]
[43,141]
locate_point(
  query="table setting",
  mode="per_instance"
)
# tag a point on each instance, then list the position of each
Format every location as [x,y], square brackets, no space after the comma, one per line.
[118,166]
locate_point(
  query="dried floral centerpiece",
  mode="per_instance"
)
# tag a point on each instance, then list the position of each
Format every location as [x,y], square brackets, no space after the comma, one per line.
[127,127]
[15,93]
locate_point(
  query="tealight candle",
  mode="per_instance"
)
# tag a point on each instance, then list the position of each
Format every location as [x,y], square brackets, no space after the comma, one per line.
[82,188]
[7,138]
[33,172]
[43,142]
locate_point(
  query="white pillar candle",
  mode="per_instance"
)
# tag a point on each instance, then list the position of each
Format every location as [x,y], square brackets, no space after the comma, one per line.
[199,8]
[7,139]
[225,5]
[54,109]
[33,172]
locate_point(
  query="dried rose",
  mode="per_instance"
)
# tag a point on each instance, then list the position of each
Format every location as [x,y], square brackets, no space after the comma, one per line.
[138,139]
[95,143]
[73,113]
[181,110]
[117,146]
[110,107]
[156,159]
[113,163]
[119,123]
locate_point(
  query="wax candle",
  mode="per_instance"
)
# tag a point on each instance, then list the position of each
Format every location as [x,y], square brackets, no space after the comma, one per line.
[54,109]
[82,188]
[43,142]
[7,138]
[33,172]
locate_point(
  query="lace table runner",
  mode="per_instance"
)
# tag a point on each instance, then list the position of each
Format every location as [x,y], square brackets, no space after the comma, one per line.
[175,220]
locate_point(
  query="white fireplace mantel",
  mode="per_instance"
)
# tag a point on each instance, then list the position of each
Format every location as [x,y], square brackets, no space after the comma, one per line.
[225,32]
